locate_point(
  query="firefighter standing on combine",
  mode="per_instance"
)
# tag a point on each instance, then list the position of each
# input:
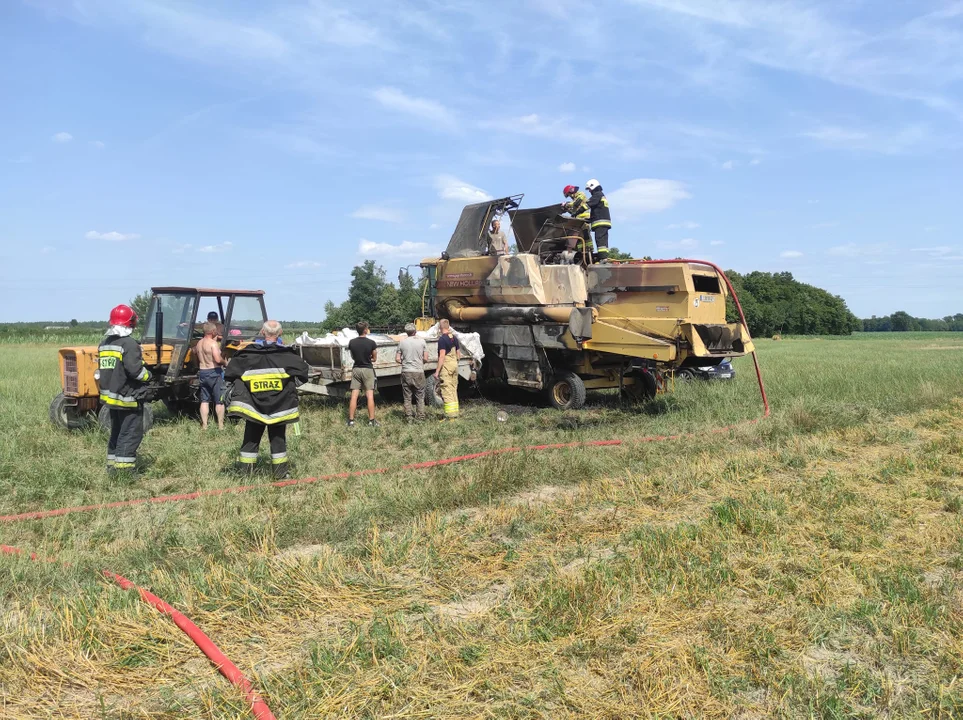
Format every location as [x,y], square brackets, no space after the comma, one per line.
[601,218]
[264,392]
[121,378]
[577,207]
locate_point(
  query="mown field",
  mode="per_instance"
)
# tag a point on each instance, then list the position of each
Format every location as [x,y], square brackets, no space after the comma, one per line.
[810,565]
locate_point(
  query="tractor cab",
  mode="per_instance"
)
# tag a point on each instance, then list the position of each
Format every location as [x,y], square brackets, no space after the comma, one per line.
[173,324]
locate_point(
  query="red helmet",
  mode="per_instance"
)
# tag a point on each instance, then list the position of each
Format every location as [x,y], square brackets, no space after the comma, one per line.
[569,189]
[123,315]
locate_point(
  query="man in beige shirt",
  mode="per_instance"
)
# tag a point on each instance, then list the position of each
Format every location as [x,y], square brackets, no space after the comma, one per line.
[211,376]
[498,239]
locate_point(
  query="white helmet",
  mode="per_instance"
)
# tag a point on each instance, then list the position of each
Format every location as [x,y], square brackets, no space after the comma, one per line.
[592,184]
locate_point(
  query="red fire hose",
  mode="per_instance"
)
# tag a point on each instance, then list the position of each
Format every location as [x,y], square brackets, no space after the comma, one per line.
[229,670]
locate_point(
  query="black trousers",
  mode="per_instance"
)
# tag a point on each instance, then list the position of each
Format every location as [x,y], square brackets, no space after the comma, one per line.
[602,239]
[253,432]
[126,434]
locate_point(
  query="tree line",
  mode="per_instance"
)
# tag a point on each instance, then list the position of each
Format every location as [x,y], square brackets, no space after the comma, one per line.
[902,321]
[776,303]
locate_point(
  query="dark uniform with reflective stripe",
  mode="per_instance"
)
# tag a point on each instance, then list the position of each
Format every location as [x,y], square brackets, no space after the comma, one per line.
[122,386]
[264,392]
[601,220]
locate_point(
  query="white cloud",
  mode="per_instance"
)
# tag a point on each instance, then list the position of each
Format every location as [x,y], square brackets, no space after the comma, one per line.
[940,251]
[303,264]
[880,140]
[646,195]
[97,144]
[434,226]
[566,167]
[47,250]
[717,242]
[379,212]
[62,137]
[685,225]
[755,161]
[790,254]
[728,165]
[914,60]
[113,236]
[222,247]
[434,112]
[405,248]
[451,188]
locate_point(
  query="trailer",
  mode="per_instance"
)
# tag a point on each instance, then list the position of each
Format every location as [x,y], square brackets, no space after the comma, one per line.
[331,365]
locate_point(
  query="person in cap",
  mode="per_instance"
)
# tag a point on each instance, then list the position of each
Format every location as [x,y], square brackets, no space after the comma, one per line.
[412,355]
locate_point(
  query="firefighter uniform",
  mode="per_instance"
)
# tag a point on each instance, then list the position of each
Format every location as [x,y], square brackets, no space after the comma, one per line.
[601,220]
[264,393]
[578,207]
[122,377]
[448,374]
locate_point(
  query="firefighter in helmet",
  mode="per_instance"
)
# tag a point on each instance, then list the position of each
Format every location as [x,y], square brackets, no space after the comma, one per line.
[122,379]
[577,207]
[601,218]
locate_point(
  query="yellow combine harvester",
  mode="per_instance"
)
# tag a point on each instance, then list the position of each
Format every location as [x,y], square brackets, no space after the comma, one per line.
[552,321]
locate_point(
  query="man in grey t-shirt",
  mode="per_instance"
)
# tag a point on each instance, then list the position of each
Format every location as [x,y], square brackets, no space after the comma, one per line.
[413,354]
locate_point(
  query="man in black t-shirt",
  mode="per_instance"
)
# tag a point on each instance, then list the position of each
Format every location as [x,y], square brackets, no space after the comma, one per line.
[364,353]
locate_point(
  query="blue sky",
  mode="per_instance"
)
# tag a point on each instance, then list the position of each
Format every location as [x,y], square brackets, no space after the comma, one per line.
[275,145]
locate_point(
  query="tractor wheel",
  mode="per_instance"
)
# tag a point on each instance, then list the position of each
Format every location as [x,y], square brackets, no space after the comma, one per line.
[566,391]
[432,396]
[67,416]
[643,389]
[103,417]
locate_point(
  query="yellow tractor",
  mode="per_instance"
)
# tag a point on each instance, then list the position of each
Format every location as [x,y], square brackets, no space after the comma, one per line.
[170,331]
[553,320]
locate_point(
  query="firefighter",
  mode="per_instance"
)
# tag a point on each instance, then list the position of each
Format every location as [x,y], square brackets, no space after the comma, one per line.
[577,205]
[601,219]
[265,377]
[446,373]
[122,378]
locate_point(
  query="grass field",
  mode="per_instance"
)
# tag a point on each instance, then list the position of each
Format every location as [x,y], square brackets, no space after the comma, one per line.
[810,565]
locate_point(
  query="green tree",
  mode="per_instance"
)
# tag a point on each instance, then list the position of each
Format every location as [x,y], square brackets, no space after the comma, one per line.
[73,322]
[371,297]
[141,304]
[616,254]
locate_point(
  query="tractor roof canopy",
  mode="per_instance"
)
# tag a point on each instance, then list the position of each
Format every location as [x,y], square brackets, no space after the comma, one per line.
[204,291]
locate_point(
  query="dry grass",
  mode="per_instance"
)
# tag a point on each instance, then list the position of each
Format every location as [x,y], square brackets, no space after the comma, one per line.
[795,569]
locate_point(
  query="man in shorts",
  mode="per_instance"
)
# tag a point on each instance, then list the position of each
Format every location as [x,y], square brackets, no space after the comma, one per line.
[211,375]
[364,353]
[412,355]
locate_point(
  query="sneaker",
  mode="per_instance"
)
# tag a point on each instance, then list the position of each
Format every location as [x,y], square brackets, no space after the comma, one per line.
[374,423]
[350,423]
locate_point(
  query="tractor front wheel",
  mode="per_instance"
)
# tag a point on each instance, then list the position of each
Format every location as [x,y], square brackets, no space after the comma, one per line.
[103,417]
[566,391]
[64,414]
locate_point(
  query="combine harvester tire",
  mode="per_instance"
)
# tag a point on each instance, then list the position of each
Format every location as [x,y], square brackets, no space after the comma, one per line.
[566,391]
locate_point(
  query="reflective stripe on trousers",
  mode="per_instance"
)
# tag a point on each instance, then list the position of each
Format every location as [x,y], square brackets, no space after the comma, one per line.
[448,377]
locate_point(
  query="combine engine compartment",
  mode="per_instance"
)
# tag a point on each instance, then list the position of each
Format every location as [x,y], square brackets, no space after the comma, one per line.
[549,313]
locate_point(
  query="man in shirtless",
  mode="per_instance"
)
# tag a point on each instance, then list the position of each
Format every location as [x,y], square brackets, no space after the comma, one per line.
[211,375]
